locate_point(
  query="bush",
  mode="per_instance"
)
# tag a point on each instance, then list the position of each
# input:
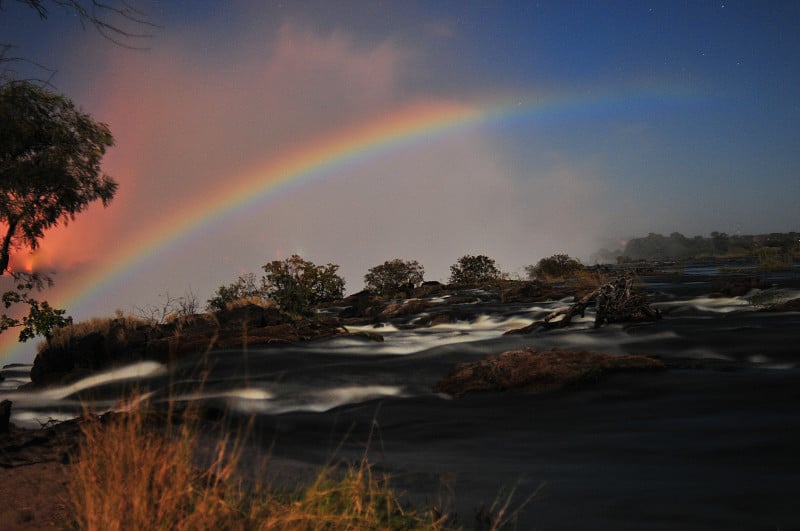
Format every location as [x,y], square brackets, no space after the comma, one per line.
[473,270]
[244,288]
[297,284]
[394,276]
[556,266]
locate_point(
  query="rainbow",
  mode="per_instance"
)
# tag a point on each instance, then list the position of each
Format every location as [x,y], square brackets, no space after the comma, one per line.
[417,122]
[293,169]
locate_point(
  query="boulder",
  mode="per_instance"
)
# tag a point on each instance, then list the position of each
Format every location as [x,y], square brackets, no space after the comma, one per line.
[538,371]
[404,309]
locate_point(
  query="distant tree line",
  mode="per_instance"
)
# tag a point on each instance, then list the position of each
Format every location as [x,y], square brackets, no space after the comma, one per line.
[676,246]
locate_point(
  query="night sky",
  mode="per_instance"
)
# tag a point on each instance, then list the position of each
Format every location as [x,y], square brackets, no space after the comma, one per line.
[589,123]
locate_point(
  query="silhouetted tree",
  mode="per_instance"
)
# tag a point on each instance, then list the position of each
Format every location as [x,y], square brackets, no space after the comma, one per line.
[50,156]
[473,270]
[297,284]
[394,276]
[558,265]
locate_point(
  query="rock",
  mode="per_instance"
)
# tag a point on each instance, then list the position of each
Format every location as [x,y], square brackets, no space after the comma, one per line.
[736,286]
[119,344]
[369,336]
[427,289]
[5,416]
[792,305]
[532,371]
[357,305]
[403,309]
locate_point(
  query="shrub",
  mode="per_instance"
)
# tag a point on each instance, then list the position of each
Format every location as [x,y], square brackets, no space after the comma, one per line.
[244,288]
[556,266]
[394,276]
[473,270]
[297,284]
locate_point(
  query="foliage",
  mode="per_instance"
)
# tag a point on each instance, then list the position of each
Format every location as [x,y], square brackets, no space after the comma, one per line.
[245,287]
[556,266]
[164,488]
[42,319]
[676,246]
[50,155]
[297,284]
[394,276]
[474,270]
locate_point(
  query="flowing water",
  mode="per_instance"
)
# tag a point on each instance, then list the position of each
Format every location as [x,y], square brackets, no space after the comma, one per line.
[691,448]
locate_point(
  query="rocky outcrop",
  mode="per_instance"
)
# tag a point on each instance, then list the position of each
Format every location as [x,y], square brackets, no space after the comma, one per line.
[538,371]
[122,342]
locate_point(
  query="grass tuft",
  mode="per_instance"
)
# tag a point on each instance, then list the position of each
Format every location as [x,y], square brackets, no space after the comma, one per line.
[133,473]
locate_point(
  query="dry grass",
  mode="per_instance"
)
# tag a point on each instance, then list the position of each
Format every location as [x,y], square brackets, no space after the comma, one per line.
[131,473]
[122,326]
[253,300]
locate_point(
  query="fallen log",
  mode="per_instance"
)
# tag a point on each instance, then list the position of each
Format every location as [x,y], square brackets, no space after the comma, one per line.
[615,302]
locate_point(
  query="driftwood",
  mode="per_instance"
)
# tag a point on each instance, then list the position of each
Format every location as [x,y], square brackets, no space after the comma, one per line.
[615,302]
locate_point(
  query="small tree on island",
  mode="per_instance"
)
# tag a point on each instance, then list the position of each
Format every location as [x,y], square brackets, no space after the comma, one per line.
[394,276]
[297,284]
[558,265]
[473,270]
[50,155]
[245,287]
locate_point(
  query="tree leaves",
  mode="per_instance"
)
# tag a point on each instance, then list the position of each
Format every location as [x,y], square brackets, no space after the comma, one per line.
[50,155]
[41,320]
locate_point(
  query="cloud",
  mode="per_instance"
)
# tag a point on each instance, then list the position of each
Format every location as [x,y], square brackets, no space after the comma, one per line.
[188,123]
[183,128]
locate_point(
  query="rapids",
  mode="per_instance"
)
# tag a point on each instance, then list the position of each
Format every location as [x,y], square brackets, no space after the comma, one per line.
[683,448]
